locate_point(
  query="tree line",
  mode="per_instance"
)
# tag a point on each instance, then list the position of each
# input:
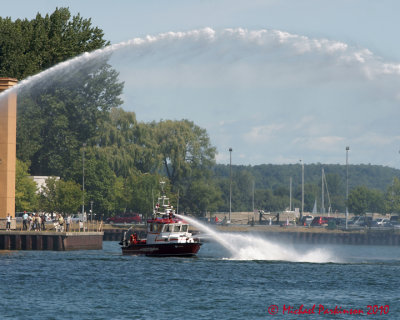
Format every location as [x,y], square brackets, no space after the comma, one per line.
[76,130]
[372,188]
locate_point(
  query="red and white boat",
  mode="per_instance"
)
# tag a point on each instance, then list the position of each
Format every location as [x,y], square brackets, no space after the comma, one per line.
[167,235]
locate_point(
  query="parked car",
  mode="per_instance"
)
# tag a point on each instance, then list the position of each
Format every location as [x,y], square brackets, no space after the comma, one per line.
[387,224]
[134,218]
[382,221]
[360,221]
[340,222]
[395,220]
[321,221]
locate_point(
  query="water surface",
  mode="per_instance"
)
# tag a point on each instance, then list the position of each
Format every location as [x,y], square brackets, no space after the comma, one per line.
[104,284]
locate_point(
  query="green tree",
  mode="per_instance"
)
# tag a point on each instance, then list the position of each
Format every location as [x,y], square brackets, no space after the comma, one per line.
[265,200]
[127,145]
[242,190]
[60,196]
[58,112]
[28,47]
[392,197]
[336,190]
[201,196]
[26,198]
[142,190]
[48,196]
[187,157]
[54,122]
[68,197]
[363,200]
[101,184]
[184,148]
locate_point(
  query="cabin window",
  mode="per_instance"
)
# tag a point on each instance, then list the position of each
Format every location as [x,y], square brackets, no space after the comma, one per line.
[168,228]
[185,228]
[177,228]
[157,227]
[150,227]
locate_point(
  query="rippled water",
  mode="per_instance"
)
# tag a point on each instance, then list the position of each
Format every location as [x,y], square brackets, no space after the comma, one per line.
[106,285]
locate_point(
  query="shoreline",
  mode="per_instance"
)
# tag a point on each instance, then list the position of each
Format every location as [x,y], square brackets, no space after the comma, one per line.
[313,235]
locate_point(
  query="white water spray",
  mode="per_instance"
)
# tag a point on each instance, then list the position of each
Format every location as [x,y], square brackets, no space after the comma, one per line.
[237,70]
[231,44]
[250,247]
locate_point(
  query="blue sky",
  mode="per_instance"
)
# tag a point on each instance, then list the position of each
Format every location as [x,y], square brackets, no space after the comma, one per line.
[322,75]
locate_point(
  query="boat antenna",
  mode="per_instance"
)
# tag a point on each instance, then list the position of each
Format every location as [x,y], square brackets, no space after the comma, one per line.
[177,205]
[152,196]
[162,184]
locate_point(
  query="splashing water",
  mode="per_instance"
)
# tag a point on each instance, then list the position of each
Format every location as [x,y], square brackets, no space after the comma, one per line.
[250,247]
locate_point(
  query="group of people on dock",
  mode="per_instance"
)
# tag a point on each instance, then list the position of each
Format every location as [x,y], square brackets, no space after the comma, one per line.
[33,221]
[40,221]
[37,222]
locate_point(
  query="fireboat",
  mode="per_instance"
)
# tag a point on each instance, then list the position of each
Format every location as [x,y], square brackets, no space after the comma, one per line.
[167,235]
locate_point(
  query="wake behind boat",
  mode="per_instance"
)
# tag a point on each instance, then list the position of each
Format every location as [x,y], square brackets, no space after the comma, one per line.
[167,235]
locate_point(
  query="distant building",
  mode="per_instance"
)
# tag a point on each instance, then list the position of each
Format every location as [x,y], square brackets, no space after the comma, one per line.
[41,181]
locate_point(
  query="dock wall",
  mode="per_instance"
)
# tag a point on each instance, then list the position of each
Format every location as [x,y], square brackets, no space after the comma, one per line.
[113,234]
[56,241]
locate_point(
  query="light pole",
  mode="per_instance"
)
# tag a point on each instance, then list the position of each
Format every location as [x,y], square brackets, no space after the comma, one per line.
[347,183]
[83,180]
[302,189]
[91,211]
[290,194]
[230,184]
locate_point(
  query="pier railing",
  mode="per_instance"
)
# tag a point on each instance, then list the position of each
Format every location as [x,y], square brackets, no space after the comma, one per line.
[54,226]
[77,236]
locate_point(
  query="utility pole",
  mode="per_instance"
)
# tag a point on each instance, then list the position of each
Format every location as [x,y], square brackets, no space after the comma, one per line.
[322,192]
[83,180]
[302,189]
[253,194]
[290,194]
[347,184]
[230,184]
[91,211]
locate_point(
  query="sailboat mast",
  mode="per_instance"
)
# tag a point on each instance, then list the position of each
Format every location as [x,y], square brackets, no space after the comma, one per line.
[290,195]
[322,192]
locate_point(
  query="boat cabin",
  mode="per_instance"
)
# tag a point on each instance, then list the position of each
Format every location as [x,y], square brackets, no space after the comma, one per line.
[168,231]
[169,228]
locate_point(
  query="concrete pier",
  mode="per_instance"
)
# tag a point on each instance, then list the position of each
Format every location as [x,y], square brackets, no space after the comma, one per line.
[56,241]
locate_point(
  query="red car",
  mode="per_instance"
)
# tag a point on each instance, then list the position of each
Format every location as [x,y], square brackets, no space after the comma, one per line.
[135,218]
[320,221]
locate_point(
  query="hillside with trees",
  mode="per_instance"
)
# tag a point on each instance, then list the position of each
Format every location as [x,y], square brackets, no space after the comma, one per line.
[271,185]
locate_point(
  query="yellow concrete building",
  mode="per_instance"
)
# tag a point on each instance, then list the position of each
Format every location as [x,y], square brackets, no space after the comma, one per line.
[8,142]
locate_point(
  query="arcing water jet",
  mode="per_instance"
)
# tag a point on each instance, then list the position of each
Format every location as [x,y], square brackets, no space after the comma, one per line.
[219,44]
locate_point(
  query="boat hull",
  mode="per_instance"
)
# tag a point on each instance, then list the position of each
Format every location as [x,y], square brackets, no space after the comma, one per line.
[167,249]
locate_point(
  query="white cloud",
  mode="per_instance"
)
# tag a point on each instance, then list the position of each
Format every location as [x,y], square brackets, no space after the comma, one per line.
[262,134]
[323,143]
[374,139]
